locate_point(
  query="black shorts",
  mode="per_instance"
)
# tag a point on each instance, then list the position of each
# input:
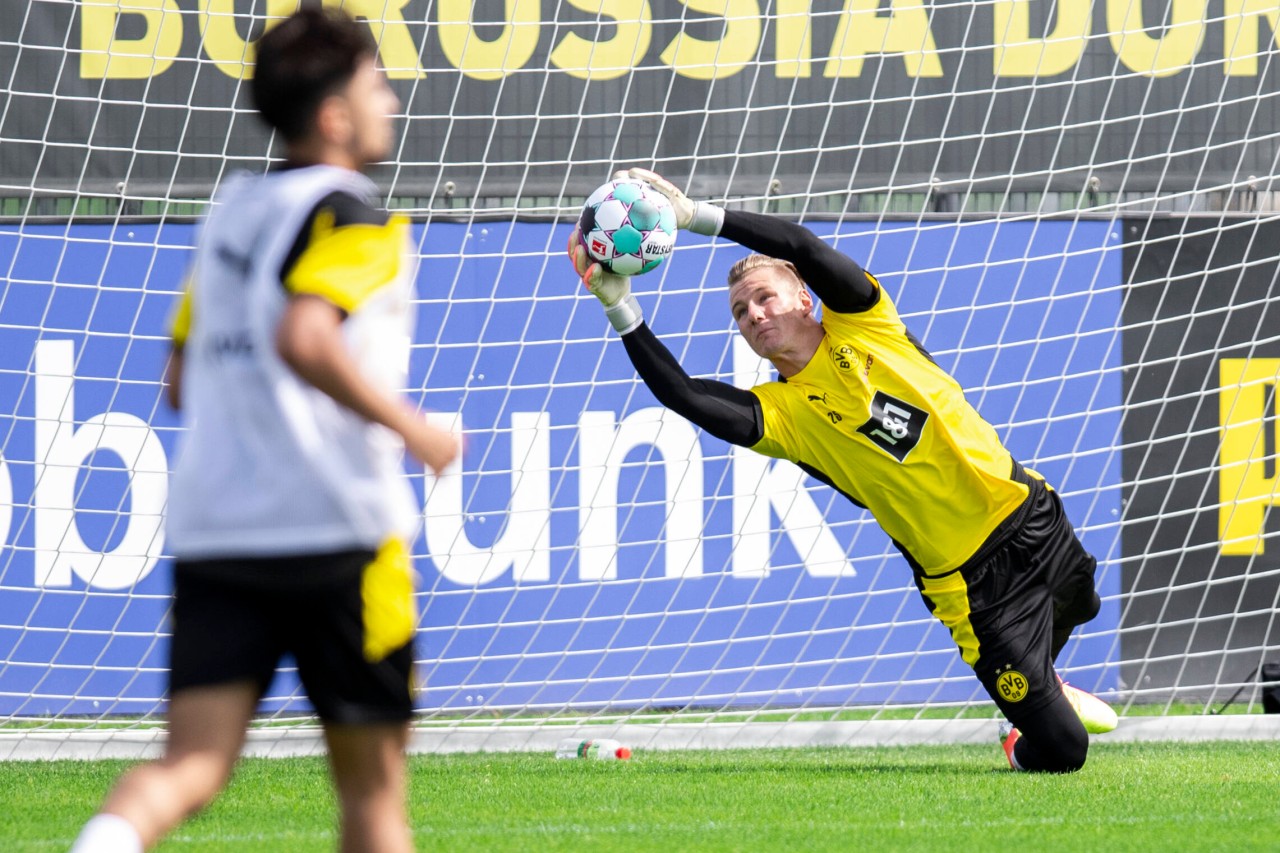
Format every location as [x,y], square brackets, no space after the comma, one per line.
[347,618]
[1005,610]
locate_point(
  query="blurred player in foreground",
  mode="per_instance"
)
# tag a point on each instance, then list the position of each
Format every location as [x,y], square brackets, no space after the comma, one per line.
[861,406]
[289,510]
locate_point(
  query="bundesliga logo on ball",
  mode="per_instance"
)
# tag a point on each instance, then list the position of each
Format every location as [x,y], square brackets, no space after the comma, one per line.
[628,227]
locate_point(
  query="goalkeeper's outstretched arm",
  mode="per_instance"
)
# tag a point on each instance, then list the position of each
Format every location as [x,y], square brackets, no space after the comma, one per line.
[728,413]
[836,279]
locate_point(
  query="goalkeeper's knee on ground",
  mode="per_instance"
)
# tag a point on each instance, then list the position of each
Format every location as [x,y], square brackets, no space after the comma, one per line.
[1052,740]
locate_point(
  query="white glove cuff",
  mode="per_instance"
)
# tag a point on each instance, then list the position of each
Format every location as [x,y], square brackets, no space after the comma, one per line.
[707,219]
[625,314]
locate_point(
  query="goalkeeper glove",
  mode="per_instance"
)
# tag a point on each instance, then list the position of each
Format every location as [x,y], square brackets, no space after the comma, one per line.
[613,291]
[699,217]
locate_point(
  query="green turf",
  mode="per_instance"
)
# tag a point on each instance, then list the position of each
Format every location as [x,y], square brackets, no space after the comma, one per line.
[1165,796]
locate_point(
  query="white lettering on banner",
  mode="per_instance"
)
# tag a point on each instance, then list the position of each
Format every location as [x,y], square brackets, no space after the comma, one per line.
[603,444]
[6,502]
[60,450]
[524,547]
[760,483]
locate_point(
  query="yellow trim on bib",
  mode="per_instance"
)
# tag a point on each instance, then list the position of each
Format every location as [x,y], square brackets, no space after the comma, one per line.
[349,264]
[386,593]
[180,320]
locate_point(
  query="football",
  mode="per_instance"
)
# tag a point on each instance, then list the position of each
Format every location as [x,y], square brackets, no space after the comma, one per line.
[628,227]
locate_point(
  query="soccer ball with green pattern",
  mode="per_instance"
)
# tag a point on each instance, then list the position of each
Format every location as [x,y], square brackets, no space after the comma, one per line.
[628,227]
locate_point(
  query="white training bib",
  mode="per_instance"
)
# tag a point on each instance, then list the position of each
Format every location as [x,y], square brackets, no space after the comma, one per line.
[270,465]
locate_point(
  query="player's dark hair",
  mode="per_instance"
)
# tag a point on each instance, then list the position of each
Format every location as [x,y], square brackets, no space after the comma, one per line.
[301,61]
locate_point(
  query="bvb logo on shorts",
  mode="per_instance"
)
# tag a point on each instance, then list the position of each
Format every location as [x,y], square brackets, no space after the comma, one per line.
[1012,686]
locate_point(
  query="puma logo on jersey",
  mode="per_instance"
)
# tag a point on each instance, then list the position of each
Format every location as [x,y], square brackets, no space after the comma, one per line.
[834,417]
[240,264]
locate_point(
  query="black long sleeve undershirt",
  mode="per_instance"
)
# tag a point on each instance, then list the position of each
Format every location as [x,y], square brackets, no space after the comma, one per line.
[729,413]
[834,277]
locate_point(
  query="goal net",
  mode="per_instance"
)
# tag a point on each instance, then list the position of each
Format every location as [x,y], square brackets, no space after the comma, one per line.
[1072,203]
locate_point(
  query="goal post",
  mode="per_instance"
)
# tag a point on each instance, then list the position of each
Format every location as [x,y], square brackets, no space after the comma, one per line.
[1073,205]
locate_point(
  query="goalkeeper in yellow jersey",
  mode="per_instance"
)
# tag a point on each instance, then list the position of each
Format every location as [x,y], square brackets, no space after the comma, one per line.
[289,511]
[861,406]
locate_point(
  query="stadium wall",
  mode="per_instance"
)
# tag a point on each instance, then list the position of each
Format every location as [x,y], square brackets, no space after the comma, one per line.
[819,95]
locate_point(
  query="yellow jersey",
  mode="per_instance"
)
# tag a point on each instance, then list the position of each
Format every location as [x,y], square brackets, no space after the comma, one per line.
[873,415]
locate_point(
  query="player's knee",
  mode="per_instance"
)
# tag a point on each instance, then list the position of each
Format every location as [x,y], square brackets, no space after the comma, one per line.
[196,778]
[1068,751]
[1053,740]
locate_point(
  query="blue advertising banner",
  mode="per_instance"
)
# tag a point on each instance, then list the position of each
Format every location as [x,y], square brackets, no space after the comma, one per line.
[589,550]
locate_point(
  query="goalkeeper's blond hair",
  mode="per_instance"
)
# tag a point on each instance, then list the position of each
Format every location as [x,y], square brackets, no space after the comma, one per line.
[755,262]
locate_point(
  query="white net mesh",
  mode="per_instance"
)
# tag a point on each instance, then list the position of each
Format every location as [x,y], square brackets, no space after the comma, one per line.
[1071,203]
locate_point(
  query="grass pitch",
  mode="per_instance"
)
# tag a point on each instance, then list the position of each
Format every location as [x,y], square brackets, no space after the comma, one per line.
[1137,796]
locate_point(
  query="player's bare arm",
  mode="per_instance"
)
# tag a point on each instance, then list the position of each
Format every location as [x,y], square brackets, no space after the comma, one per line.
[173,378]
[309,339]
